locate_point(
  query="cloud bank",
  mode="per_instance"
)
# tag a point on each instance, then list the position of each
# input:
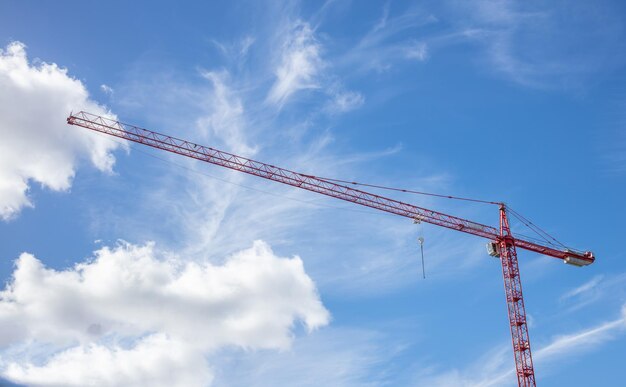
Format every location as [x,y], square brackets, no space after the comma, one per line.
[37,145]
[135,316]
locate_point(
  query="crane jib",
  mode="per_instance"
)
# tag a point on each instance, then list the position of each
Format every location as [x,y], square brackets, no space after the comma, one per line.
[311,183]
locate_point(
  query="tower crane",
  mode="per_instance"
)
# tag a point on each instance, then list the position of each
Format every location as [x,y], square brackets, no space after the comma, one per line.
[502,242]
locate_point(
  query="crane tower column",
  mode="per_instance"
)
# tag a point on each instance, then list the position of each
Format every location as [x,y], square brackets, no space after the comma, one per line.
[515,304]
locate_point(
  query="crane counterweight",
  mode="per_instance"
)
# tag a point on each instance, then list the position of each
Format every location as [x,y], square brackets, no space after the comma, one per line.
[575,261]
[493,249]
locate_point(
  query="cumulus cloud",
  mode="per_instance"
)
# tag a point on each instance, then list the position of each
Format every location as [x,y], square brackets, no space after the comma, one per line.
[154,361]
[37,145]
[135,313]
[300,64]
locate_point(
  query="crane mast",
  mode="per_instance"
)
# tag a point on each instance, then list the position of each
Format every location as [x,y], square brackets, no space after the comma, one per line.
[502,243]
[515,304]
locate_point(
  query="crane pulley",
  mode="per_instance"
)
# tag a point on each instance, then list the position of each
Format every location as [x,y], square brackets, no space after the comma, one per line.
[502,243]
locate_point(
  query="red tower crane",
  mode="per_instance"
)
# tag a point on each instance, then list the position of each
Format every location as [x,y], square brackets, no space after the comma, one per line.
[502,243]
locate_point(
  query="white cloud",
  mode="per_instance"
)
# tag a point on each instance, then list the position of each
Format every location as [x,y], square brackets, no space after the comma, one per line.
[237,51]
[37,145]
[175,310]
[388,28]
[106,89]
[583,289]
[155,361]
[543,44]
[584,339]
[494,369]
[385,44]
[330,357]
[225,119]
[555,352]
[299,66]
[345,101]
[417,51]
[599,288]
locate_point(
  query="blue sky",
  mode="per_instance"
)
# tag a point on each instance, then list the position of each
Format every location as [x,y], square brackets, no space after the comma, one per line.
[126,266]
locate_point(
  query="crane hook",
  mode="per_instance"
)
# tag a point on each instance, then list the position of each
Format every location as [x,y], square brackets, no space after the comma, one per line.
[421,241]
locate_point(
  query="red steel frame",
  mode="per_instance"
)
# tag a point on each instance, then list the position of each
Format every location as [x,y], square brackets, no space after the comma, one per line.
[505,239]
[515,304]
